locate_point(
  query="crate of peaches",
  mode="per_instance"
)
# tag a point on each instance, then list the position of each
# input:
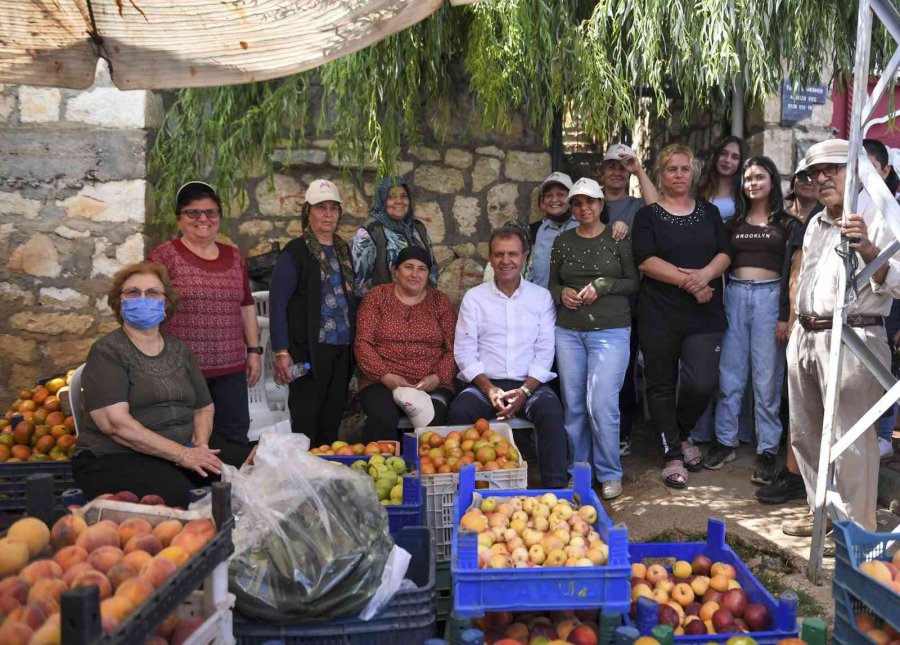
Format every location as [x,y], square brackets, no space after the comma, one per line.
[444,450]
[534,550]
[91,580]
[706,593]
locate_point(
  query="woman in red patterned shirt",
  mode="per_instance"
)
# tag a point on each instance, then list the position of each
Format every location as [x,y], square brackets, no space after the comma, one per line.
[217,317]
[404,338]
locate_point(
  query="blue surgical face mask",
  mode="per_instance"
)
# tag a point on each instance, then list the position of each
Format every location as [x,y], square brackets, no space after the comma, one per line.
[143,313]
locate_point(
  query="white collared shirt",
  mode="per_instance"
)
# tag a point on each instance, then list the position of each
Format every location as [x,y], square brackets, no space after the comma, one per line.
[506,337]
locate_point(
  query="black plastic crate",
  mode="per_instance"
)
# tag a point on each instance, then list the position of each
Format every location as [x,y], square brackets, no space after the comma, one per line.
[13,485]
[408,619]
[81,607]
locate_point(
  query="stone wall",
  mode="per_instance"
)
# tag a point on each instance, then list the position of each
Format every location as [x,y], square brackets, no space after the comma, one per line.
[73,199]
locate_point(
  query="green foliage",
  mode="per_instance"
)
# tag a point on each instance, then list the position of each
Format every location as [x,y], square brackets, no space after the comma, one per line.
[591,59]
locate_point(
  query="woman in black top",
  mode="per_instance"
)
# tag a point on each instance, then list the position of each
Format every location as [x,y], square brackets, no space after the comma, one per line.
[759,233]
[682,249]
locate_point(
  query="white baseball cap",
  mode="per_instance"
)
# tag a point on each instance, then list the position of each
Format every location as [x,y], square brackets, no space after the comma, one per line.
[585,186]
[322,190]
[417,405]
[560,178]
[617,151]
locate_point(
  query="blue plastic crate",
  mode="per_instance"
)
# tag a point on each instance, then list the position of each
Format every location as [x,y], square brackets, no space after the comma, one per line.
[845,630]
[854,545]
[408,619]
[409,513]
[783,612]
[476,591]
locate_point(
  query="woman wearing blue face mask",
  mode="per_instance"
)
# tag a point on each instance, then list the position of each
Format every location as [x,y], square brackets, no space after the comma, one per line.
[149,415]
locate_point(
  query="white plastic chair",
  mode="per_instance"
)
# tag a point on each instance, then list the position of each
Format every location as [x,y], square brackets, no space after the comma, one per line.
[75,398]
[261,300]
[267,399]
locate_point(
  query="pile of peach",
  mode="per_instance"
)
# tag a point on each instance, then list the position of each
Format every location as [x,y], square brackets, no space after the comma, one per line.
[127,562]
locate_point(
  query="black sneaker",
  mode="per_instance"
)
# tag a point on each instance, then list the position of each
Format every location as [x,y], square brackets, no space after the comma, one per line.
[764,469]
[785,488]
[718,456]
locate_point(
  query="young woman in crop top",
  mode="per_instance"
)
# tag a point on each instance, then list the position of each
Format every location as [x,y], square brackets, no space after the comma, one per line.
[759,233]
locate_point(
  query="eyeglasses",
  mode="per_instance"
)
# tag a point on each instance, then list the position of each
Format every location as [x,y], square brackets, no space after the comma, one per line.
[195,213]
[154,294]
[829,170]
[803,177]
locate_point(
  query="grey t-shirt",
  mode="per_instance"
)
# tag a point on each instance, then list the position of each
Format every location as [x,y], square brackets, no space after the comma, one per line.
[162,391]
[623,210]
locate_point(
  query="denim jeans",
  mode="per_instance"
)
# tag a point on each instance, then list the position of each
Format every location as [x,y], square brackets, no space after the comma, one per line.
[885,424]
[750,349]
[592,368]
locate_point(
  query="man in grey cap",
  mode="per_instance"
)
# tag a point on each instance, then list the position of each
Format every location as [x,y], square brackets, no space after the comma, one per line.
[856,470]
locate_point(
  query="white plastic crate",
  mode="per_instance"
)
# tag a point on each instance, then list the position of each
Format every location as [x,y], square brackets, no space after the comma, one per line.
[217,628]
[441,489]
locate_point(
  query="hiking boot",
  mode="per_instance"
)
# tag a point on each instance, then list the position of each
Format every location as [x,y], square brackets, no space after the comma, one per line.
[625,447]
[718,456]
[785,488]
[802,527]
[764,469]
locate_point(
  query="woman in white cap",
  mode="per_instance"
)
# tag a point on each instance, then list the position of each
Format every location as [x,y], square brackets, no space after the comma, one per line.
[312,317]
[682,250]
[591,278]
[217,316]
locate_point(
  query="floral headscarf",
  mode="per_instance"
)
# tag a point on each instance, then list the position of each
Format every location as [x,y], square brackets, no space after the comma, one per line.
[404,227]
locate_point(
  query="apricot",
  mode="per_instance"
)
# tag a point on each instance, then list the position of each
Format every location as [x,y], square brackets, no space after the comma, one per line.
[165,531]
[13,556]
[131,527]
[40,569]
[47,588]
[66,531]
[33,531]
[68,556]
[119,607]
[157,570]
[144,542]
[105,558]
[137,590]
[193,543]
[94,578]
[48,634]
[176,554]
[136,559]
[15,633]
[97,535]
[76,570]
[119,574]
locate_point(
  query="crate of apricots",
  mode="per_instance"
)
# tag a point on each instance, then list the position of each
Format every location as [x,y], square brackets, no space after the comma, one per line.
[36,427]
[144,568]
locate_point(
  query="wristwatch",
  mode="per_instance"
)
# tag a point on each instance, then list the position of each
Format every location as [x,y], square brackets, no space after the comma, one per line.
[255,350]
[525,390]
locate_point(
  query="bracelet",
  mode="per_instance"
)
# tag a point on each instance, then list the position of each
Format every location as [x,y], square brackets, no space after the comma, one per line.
[525,390]
[282,352]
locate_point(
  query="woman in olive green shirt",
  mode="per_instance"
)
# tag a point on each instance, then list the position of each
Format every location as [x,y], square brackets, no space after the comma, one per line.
[591,278]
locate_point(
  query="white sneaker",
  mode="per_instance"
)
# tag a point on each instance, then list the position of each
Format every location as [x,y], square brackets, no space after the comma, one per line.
[611,489]
[885,447]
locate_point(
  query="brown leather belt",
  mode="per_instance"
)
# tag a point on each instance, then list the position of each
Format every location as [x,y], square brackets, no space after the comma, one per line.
[815,323]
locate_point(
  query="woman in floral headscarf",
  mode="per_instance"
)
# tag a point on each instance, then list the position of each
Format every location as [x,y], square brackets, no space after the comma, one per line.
[393,227]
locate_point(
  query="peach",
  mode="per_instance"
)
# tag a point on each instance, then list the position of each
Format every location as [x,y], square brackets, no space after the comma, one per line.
[109,623]
[165,531]
[193,543]
[15,633]
[168,626]
[105,558]
[97,535]
[8,604]
[68,556]
[137,590]
[15,587]
[76,570]
[49,634]
[136,559]
[31,615]
[203,527]
[156,640]
[119,607]
[146,542]
[13,556]
[119,574]
[177,555]
[157,570]
[184,630]
[877,570]
[66,531]
[722,568]
[50,588]
[133,526]
[719,583]
[40,569]
[96,579]
[33,531]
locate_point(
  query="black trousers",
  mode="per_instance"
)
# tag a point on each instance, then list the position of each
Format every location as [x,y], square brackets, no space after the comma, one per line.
[628,393]
[674,416]
[542,408]
[232,415]
[383,415]
[317,400]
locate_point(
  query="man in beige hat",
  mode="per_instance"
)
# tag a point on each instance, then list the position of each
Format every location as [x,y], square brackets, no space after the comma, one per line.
[856,470]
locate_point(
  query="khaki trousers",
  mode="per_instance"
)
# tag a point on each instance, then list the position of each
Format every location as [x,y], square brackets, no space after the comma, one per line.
[856,470]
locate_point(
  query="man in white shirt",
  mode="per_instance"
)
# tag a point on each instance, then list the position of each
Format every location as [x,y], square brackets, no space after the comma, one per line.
[504,348]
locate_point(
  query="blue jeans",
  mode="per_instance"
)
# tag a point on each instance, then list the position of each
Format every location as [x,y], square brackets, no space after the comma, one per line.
[592,368]
[749,348]
[885,424]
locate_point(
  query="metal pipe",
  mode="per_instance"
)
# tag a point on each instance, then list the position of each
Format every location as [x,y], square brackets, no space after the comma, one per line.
[737,107]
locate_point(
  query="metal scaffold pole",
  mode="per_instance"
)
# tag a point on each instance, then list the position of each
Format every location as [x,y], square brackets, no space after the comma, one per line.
[859,169]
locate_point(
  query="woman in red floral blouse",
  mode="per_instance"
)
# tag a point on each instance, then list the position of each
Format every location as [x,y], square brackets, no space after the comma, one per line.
[404,338]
